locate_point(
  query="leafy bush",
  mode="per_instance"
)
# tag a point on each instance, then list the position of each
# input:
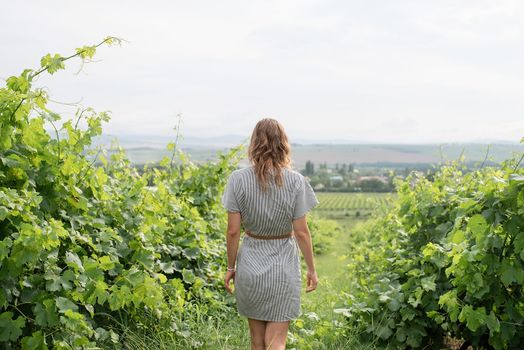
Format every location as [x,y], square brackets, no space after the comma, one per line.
[82,244]
[446,261]
[322,232]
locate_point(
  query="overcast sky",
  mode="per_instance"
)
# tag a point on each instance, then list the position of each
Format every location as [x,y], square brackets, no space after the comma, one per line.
[381,71]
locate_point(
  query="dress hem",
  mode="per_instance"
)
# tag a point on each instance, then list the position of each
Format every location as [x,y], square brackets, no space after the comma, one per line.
[270,320]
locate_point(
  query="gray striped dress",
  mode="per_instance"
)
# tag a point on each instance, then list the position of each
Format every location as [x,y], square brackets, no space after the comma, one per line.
[268,272]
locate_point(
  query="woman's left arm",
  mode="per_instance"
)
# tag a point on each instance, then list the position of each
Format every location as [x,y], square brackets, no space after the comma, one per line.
[232,240]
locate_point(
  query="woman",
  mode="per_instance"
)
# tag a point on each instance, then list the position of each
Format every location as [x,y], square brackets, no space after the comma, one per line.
[270,200]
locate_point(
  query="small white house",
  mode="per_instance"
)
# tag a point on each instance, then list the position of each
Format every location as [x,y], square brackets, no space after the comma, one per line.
[318,186]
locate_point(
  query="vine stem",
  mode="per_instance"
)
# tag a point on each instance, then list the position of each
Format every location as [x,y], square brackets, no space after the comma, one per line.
[179,115]
[63,59]
[90,165]
[79,117]
[57,140]
[485,158]
[461,153]
[481,166]
[17,107]
[22,313]
[518,163]
[503,247]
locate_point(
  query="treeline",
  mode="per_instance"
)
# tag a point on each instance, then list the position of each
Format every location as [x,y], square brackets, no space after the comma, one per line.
[379,177]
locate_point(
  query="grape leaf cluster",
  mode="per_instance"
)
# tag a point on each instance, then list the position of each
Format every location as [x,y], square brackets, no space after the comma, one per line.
[86,238]
[445,262]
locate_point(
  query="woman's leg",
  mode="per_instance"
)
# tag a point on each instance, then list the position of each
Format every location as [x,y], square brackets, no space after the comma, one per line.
[257,329]
[276,335]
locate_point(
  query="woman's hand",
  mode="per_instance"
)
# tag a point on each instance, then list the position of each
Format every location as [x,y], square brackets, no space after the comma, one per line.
[230,277]
[312,281]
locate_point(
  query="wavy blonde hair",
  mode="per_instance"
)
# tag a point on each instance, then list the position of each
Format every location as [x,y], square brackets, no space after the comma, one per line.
[269,151]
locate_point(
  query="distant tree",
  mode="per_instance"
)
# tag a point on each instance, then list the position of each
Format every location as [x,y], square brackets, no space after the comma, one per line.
[351,168]
[310,168]
[337,184]
[343,170]
[373,185]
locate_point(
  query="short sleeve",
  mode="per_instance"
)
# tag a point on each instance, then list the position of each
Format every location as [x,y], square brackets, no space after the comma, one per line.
[229,200]
[305,199]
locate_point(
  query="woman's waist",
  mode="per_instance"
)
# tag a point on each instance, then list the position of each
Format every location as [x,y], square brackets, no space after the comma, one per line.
[260,235]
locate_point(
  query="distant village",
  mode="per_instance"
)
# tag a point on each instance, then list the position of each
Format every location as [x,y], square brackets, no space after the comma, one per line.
[348,178]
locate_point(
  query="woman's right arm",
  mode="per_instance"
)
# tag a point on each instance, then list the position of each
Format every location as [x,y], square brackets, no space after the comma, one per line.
[303,237]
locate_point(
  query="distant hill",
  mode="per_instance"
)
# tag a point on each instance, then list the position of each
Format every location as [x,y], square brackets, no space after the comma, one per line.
[143,149]
[160,142]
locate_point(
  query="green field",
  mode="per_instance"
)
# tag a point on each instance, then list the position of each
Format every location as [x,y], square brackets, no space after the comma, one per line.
[340,205]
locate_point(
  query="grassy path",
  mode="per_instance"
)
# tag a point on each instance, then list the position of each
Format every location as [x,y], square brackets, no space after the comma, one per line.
[318,328]
[332,275]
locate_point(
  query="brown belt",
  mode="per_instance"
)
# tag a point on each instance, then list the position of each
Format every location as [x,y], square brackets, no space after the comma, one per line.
[251,234]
